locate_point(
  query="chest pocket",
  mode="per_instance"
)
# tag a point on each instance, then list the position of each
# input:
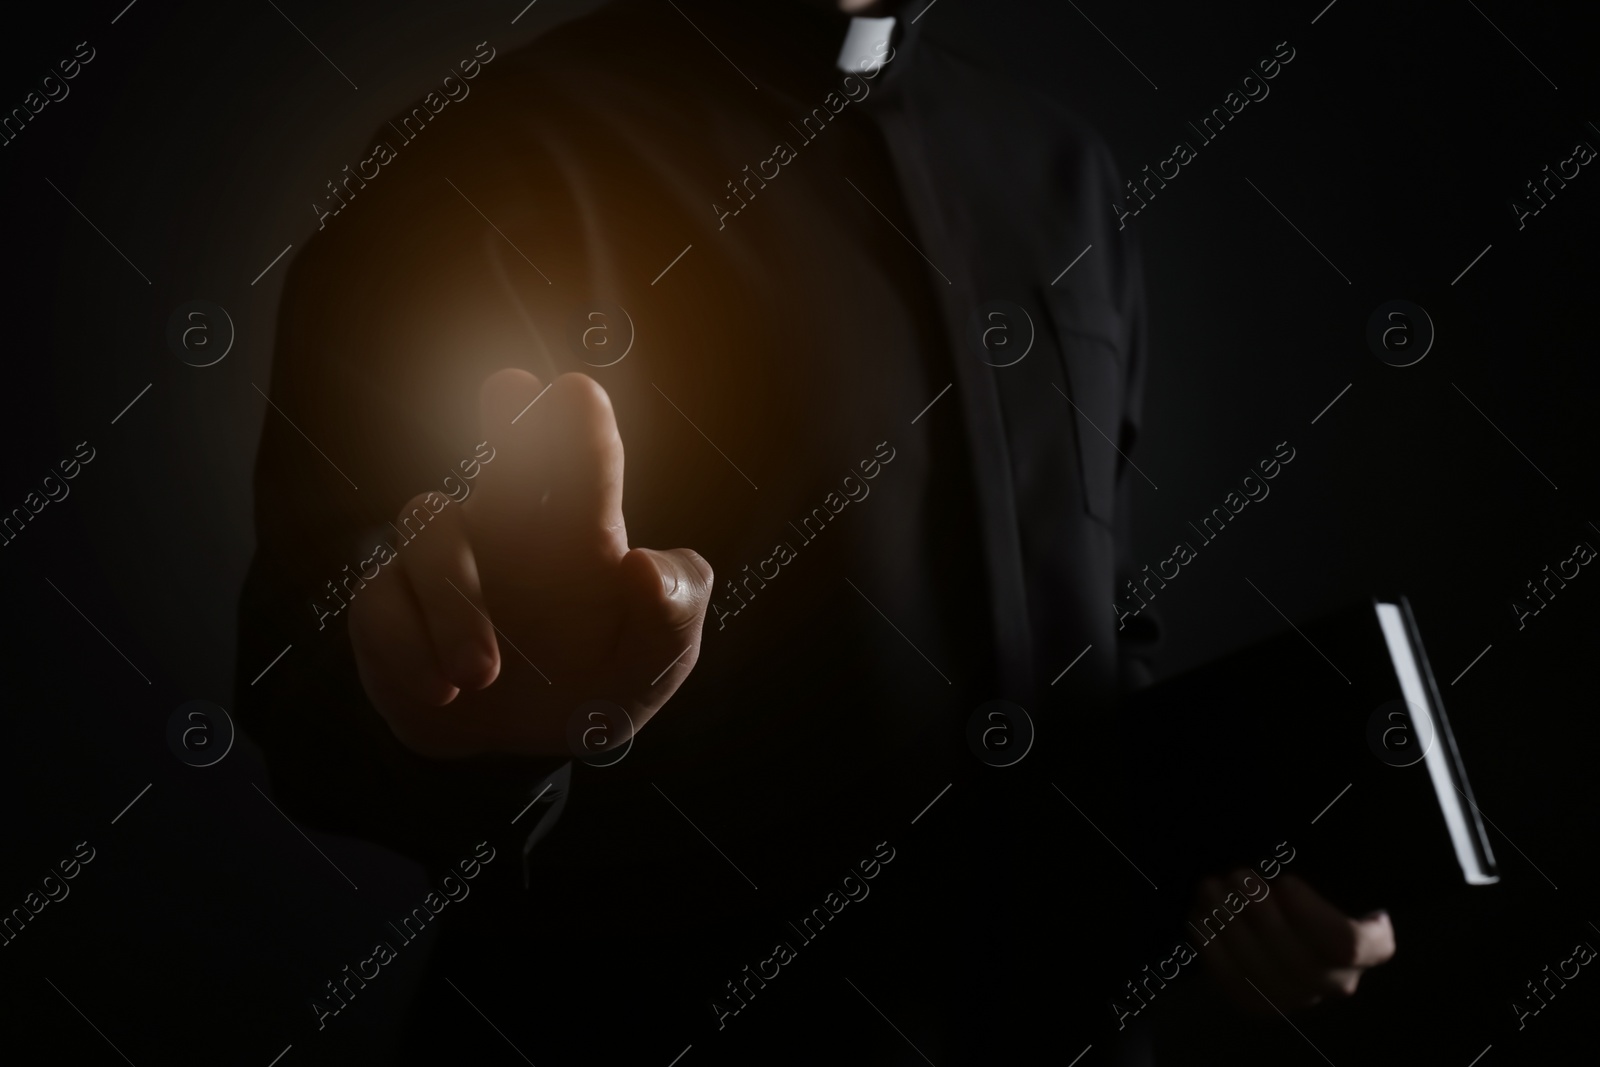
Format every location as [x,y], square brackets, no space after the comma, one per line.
[1089,337]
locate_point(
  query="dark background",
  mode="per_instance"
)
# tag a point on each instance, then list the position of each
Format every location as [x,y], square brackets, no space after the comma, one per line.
[197,139]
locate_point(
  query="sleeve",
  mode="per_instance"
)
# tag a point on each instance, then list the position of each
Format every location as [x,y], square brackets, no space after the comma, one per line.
[1138,635]
[389,319]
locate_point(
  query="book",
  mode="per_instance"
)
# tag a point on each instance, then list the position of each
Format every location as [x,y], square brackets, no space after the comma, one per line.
[1329,743]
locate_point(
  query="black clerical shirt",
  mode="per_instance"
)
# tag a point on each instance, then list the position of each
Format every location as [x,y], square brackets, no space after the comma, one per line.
[851,384]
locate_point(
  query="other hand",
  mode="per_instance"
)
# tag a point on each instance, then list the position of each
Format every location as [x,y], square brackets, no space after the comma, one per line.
[1294,946]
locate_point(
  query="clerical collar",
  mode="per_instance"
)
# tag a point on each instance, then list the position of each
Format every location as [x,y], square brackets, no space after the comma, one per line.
[866,45]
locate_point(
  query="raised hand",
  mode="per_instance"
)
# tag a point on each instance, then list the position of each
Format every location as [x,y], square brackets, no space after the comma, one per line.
[515,608]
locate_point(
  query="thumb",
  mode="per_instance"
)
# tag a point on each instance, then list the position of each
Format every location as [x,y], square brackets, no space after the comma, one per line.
[666,595]
[667,589]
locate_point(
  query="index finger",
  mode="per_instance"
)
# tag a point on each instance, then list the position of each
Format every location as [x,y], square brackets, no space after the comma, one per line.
[564,461]
[514,483]
[577,431]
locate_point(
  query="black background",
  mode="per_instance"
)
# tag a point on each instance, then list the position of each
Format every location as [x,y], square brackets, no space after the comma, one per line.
[196,141]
